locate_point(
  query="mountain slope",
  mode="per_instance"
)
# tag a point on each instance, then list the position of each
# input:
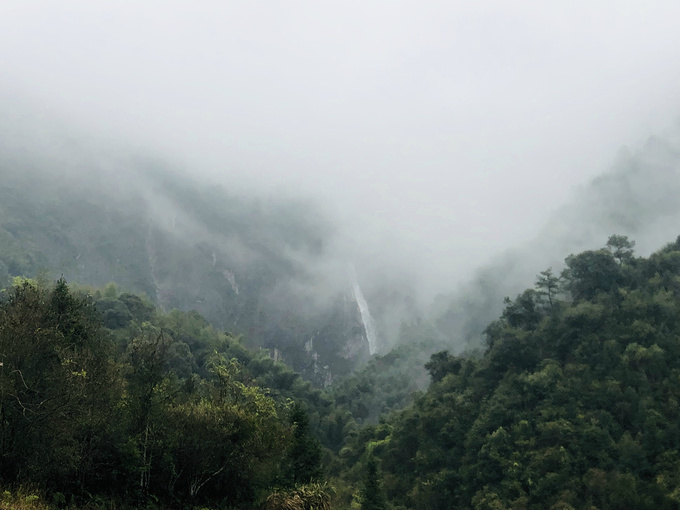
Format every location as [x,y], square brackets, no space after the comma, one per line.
[574,404]
[636,198]
[246,264]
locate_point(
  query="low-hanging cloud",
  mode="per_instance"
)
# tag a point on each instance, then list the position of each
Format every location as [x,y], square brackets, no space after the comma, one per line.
[435,133]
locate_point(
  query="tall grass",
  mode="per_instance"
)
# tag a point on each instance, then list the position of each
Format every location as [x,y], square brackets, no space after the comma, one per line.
[22,499]
[313,496]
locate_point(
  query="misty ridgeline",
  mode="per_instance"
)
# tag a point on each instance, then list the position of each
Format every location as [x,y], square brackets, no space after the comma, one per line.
[203,346]
[274,269]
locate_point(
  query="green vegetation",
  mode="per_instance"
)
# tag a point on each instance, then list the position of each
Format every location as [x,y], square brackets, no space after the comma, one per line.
[25,500]
[313,496]
[574,404]
[133,414]
[372,497]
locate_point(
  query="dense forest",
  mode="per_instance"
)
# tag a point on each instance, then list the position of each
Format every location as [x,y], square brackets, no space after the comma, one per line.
[573,403]
[106,399]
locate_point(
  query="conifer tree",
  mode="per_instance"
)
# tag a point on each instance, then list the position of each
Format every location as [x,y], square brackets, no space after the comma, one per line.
[372,496]
[547,286]
[304,456]
[621,248]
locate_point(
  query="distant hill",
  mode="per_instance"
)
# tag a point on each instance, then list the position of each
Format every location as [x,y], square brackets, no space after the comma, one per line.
[245,263]
[265,268]
[637,197]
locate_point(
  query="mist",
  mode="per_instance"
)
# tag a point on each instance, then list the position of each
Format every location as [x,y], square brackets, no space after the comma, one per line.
[429,137]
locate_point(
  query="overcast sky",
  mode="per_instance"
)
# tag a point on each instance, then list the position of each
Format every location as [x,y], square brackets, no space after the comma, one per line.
[442,131]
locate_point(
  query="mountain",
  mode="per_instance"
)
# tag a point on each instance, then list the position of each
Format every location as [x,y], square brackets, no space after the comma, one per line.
[637,198]
[250,265]
[269,267]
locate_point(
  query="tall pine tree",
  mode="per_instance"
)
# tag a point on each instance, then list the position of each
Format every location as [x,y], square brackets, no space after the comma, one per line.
[372,496]
[304,457]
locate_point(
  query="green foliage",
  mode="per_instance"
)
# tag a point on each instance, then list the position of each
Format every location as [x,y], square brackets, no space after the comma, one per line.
[548,286]
[58,386]
[372,497]
[573,405]
[159,407]
[313,496]
[22,499]
[303,461]
[621,248]
[590,273]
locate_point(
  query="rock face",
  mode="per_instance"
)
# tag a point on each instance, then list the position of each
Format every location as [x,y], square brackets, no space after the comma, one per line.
[322,347]
[238,262]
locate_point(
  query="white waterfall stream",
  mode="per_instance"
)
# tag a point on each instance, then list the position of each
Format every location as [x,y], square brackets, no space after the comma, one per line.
[366,318]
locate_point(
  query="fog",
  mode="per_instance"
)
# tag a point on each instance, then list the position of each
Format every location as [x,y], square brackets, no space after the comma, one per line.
[435,134]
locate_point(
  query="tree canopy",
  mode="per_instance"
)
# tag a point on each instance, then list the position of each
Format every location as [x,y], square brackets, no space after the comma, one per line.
[574,404]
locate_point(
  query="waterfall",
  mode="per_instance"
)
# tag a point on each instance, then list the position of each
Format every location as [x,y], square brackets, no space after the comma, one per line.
[366,319]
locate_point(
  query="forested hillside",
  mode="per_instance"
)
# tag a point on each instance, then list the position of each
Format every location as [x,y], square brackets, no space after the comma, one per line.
[137,415]
[574,403]
[107,399]
[246,264]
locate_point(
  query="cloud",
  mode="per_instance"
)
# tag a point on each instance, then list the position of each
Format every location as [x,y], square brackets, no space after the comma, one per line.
[438,133]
